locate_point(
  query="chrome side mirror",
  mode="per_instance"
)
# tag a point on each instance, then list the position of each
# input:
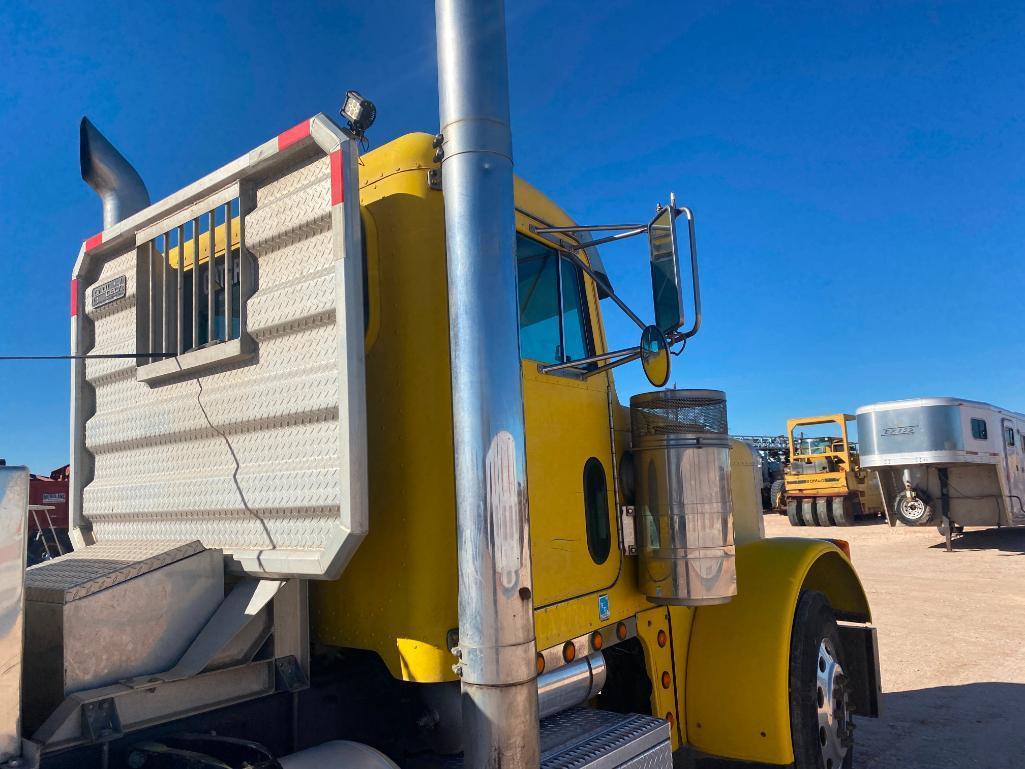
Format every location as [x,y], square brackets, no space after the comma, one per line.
[666,288]
[666,275]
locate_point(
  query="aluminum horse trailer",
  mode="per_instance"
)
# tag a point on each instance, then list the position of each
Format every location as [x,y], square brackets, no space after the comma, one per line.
[963,460]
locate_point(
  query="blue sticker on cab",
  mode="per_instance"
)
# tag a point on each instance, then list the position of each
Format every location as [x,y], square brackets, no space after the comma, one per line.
[603,607]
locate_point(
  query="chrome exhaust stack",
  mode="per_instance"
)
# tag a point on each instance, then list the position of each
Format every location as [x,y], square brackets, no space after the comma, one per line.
[112,177]
[496,648]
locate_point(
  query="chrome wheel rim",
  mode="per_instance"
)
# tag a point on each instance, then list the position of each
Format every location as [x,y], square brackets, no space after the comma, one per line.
[836,733]
[912,509]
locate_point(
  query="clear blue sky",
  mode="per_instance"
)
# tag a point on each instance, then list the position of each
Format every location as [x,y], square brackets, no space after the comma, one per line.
[857,169]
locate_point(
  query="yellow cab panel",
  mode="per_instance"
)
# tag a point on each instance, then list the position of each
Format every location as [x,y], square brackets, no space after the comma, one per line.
[570,459]
[398,595]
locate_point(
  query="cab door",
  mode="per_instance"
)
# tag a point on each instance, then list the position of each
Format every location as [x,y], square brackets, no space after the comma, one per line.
[574,543]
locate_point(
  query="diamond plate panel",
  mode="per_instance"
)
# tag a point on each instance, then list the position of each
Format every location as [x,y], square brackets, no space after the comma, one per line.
[659,757]
[252,458]
[83,572]
[292,177]
[584,738]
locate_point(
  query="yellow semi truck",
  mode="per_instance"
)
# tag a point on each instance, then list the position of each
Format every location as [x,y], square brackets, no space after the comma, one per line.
[824,484]
[308,393]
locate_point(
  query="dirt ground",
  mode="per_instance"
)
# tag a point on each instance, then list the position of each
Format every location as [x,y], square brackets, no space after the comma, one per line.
[952,643]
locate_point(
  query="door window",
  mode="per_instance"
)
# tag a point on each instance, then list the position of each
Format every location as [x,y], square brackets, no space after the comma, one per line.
[550,333]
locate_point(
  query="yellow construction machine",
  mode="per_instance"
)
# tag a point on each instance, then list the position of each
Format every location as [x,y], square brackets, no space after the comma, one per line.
[823,484]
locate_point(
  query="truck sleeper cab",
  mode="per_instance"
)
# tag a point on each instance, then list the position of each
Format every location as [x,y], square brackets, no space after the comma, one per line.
[252,444]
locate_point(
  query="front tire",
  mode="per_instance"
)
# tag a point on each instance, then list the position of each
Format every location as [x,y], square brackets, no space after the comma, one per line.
[913,512]
[820,717]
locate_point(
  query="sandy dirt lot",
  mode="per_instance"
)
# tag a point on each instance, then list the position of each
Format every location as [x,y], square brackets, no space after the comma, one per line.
[952,642]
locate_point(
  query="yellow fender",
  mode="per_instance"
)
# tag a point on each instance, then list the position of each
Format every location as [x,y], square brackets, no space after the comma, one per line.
[737,703]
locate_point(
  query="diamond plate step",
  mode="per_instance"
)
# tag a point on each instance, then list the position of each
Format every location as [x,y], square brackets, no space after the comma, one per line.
[583,738]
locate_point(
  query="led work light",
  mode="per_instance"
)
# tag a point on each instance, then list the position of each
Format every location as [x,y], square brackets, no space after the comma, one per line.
[359,112]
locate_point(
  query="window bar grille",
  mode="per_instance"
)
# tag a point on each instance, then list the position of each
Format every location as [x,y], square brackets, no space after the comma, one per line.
[243,265]
[211,227]
[195,284]
[229,283]
[170,341]
[181,290]
[151,333]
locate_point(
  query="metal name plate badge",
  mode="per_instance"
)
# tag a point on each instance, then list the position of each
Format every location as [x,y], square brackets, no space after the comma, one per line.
[111,291]
[903,430]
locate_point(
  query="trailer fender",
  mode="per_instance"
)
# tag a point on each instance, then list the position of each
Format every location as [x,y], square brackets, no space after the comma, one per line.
[738,656]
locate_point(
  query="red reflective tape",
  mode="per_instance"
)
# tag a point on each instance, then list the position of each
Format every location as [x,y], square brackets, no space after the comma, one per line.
[74,297]
[293,135]
[94,241]
[337,178]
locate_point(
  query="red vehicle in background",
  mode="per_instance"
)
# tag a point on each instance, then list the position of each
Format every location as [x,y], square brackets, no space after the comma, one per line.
[48,535]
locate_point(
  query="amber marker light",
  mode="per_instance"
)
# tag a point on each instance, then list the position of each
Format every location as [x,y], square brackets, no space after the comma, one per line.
[667,680]
[540,664]
[662,638]
[597,641]
[621,631]
[569,651]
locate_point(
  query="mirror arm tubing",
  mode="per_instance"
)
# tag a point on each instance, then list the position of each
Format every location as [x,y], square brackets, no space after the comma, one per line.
[591,228]
[584,361]
[606,288]
[626,359]
[694,272]
[611,238]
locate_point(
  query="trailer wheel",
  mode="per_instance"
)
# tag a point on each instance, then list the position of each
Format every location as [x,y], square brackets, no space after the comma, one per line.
[777,495]
[820,716]
[792,512]
[913,512]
